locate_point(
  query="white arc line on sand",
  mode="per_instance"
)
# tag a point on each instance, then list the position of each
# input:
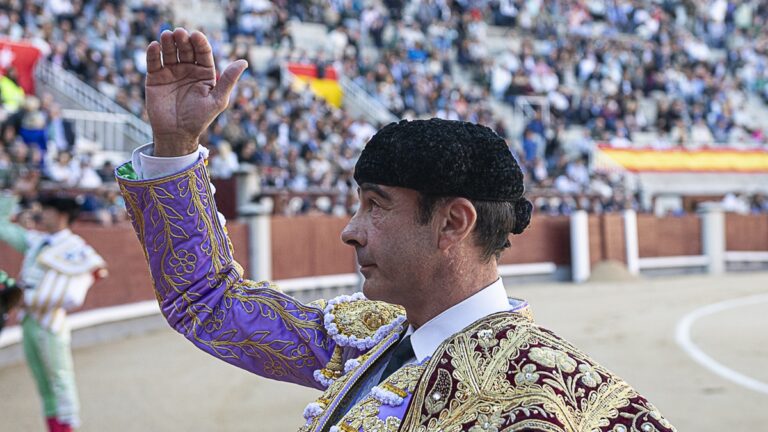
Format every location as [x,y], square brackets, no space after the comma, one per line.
[683,338]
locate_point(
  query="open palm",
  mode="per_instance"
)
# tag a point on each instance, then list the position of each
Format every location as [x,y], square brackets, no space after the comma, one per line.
[182,94]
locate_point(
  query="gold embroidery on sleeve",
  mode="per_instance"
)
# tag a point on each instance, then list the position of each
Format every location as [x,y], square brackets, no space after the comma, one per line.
[179,260]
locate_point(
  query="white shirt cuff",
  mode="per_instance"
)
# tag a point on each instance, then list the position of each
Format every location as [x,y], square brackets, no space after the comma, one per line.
[149,167]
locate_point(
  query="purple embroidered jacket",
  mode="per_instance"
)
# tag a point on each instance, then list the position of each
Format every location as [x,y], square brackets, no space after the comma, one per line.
[201,289]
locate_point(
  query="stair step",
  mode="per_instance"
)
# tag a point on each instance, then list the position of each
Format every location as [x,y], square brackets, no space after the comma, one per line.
[199,14]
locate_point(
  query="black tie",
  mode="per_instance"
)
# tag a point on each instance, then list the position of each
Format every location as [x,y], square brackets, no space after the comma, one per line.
[402,354]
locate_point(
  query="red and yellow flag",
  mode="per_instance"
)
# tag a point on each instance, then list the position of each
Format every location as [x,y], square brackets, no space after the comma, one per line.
[681,160]
[327,87]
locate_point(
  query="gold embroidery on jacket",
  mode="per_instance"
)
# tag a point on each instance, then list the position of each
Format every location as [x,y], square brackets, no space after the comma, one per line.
[137,217]
[524,378]
[365,415]
[179,260]
[438,393]
[362,319]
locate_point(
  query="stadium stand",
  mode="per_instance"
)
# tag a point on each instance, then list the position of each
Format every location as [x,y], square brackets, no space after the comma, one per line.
[555,78]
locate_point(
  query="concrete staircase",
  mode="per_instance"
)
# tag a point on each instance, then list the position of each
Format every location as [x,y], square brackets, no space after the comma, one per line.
[101,125]
[198,14]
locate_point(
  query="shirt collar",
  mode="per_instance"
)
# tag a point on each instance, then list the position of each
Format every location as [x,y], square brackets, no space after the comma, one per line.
[489,300]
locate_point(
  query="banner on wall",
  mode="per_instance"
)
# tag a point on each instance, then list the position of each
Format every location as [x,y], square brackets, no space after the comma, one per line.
[22,57]
[705,160]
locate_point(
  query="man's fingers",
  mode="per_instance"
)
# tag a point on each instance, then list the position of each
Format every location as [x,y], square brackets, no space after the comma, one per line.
[203,51]
[168,48]
[227,82]
[183,46]
[154,63]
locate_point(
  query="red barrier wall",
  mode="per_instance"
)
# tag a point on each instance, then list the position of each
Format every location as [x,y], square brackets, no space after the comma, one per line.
[606,238]
[547,239]
[128,280]
[668,236]
[308,246]
[304,246]
[746,233]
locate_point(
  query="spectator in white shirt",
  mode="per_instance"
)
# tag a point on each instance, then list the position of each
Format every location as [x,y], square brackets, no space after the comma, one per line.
[223,162]
[64,170]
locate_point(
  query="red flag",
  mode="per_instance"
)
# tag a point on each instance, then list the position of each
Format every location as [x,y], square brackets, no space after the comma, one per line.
[22,57]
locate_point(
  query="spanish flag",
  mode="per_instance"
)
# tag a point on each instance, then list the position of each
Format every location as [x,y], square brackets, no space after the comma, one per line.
[681,160]
[323,81]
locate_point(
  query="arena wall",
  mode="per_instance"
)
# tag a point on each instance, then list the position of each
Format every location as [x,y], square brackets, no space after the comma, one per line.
[308,246]
[547,239]
[304,246]
[669,236]
[606,238]
[128,280]
[746,233]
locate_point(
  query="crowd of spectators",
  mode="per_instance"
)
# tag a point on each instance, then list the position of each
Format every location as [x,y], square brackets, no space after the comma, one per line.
[37,152]
[598,66]
[680,69]
[298,141]
[37,145]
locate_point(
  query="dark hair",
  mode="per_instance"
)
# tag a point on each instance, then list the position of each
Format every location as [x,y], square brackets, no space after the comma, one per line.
[70,206]
[495,220]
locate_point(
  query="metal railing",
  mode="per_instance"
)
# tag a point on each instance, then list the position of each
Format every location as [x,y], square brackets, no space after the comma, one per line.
[135,129]
[359,101]
[107,130]
[526,106]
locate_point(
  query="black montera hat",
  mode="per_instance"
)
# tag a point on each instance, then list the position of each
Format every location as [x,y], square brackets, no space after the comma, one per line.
[445,158]
[442,157]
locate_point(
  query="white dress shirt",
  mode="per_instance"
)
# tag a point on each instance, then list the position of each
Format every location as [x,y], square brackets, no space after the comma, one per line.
[31,270]
[148,167]
[489,300]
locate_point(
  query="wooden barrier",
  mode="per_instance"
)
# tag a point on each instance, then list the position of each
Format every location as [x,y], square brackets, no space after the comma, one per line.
[308,246]
[304,246]
[129,279]
[746,232]
[669,236]
[606,238]
[547,239]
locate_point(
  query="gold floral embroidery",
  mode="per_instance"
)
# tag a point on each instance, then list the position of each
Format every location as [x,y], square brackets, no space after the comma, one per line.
[488,423]
[550,358]
[182,252]
[529,380]
[527,375]
[640,422]
[137,217]
[365,415]
[590,377]
[486,338]
[361,319]
[405,378]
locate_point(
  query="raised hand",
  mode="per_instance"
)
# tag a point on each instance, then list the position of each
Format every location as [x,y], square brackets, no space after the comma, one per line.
[183,97]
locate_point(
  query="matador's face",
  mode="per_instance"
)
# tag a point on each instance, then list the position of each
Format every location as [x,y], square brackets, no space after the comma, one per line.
[393,250]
